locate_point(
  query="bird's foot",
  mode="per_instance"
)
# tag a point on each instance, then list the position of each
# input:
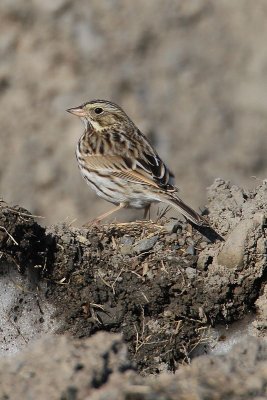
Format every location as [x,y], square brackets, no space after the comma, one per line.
[92,223]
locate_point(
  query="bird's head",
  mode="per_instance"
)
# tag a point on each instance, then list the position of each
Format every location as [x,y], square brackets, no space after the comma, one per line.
[100,114]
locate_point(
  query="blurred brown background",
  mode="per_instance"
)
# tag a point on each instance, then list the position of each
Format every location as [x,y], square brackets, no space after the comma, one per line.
[192,74]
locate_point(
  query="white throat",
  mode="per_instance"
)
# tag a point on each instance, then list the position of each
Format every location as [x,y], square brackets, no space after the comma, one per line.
[94,124]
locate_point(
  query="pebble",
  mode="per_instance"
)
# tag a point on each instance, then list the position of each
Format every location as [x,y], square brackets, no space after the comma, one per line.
[181,242]
[190,241]
[168,313]
[191,250]
[190,272]
[83,239]
[171,238]
[233,251]
[172,226]
[126,249]
[145,244]
[127,239]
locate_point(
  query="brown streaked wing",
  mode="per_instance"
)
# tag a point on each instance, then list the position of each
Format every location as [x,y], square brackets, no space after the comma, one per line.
[120,167]
[145,163]
[158,170]
[149,160]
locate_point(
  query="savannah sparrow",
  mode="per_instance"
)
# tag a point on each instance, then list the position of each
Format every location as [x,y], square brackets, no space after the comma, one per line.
[120,164]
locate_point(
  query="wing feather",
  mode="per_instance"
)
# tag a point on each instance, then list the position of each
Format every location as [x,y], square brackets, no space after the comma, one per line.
[120,167]
[132,158]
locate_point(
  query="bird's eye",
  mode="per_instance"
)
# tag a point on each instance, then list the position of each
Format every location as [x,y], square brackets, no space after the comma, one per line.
[98,110]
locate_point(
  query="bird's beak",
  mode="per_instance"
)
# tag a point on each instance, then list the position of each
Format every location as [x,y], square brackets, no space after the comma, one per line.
[77,111]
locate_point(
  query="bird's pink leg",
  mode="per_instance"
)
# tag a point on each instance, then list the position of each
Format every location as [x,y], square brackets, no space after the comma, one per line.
[103,216]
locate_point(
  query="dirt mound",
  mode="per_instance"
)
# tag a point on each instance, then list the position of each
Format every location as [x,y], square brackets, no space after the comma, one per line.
[163,285]
[98,368]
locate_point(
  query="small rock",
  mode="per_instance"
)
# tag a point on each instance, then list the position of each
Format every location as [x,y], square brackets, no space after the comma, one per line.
[232,253]
[190,272]
[190,241]
[127,239]
[171,238]
[181,242]
[168,313]
[190,250]
[172,226]
[145,244]
[83,239]
[126,249]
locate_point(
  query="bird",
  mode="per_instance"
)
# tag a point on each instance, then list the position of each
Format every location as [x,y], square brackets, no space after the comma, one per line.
[120,164]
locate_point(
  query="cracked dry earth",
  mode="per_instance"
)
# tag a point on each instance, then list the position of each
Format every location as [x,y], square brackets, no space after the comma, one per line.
[125,302]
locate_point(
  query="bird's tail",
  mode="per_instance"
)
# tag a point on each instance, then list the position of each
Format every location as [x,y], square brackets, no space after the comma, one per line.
[173,200]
